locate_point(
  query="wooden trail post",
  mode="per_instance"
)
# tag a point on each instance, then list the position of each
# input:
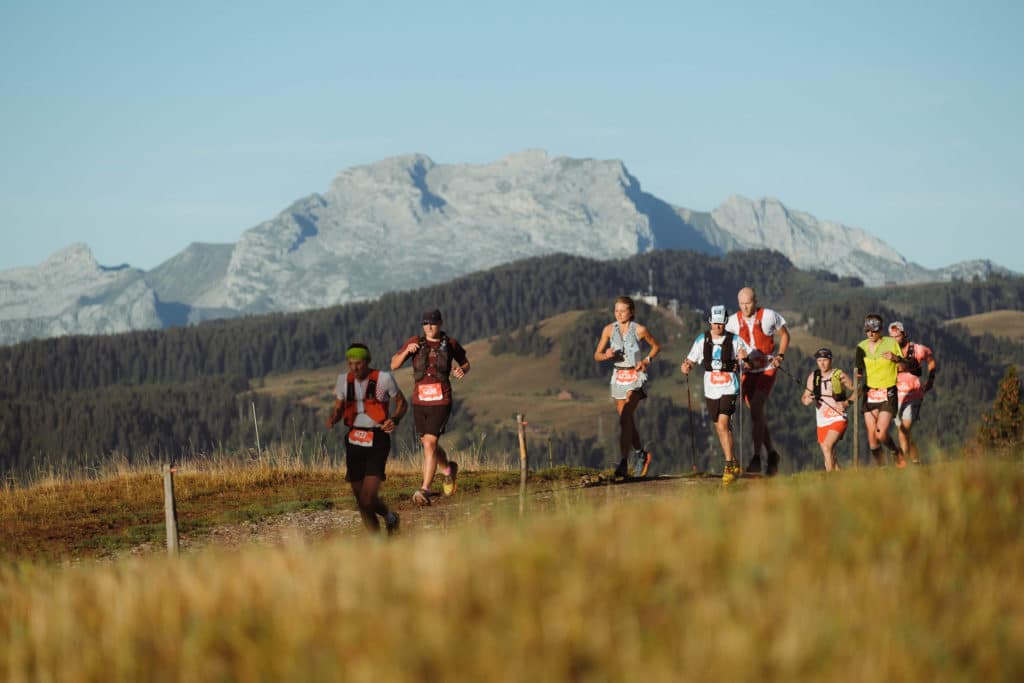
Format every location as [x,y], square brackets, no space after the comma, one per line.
[256,424]
[521,425]
[170,511]
[856,422]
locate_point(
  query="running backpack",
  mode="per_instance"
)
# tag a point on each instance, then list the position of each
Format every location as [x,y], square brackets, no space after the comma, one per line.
[728,362]
[913,366]
[837,381]
[421,361]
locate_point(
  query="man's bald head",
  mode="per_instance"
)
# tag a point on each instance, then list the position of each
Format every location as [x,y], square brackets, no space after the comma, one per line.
[747,300]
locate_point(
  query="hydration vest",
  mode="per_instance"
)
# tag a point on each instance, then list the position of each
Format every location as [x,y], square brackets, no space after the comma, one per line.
[761,341]
[728,362]
[374,409]
[837,381]
[421,361]
[913,366]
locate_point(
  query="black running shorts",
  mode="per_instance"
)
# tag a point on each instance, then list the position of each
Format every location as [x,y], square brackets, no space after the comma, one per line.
[886,406]
[726,405]
[367,461]
[431,419]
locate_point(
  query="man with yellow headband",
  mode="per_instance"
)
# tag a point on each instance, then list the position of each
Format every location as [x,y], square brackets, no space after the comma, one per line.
[363,402]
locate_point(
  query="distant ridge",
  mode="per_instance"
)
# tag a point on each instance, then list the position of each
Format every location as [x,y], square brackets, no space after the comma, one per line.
[406,222]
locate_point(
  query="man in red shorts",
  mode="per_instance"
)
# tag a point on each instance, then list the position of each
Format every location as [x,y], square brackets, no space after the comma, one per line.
[435,357]
[758,326]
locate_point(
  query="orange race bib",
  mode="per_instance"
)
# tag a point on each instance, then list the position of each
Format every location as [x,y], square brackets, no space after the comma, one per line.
[360,437]
[720,379]
[878,395]
[430,392]
[625,376]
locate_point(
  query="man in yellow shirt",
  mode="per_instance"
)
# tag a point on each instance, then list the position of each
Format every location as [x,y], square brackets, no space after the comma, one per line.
[877,357]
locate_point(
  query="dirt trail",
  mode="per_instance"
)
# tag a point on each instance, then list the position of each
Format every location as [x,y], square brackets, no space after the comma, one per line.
[461,509]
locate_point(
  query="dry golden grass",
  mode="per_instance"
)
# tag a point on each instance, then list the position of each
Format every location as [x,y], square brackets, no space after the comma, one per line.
[64,516]
[1009,324]
[864,576]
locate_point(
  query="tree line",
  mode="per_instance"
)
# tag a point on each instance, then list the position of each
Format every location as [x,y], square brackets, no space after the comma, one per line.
[76,399]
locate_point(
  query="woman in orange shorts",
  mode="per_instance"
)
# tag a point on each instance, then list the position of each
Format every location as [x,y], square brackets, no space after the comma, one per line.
[829,390]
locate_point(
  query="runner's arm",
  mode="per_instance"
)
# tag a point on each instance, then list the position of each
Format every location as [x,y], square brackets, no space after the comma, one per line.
[847,382]
[643,333]
[403,354]
[602,352]
[783,345]
[933,367]
[401,406]
[807,398]
[461,361]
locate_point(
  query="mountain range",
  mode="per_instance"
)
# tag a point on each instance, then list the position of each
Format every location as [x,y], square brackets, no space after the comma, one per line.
[406,222]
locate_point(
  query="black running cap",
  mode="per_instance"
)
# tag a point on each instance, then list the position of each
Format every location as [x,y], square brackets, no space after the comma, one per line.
[823,353]
[432,317]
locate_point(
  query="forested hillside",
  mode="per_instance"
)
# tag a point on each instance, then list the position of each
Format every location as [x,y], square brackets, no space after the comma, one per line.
[72,401]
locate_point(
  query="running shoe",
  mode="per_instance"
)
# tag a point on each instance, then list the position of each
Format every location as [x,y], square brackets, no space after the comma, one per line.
[622,471]
[755,464]
[449,487]
[773,464]
[391,522]
[421,497]
[730,473]
[642,461]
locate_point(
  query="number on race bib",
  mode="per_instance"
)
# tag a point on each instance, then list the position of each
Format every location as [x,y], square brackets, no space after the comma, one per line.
[625,376]
[430,392]
[878,395]
[720,378]
[360,437]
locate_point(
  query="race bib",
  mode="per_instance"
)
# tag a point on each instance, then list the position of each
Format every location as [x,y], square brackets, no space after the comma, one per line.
[878,395]
[360,437]
[720,379]
[905,386]
[430,392]
[625,376]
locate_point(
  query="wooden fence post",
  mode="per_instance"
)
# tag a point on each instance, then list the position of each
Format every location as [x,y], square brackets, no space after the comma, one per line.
[170,511]
[521,424]
[256,424]
[856,421]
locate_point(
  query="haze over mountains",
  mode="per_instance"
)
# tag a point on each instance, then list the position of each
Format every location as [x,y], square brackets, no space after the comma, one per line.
[406,222]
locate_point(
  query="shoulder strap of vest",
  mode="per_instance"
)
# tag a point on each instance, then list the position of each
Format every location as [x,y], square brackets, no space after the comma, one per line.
[817,384]
[838,390]
[371,386]
[728,364]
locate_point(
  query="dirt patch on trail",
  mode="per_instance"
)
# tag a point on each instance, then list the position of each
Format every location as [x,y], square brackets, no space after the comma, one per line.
[477,508]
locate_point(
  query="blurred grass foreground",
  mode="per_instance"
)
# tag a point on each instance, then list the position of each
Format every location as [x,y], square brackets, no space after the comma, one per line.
[870,575]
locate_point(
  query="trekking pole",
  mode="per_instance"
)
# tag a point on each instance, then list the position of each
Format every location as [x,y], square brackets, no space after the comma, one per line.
[739,417]
[693,438]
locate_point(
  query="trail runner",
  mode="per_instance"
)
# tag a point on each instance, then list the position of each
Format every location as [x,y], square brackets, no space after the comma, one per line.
[877,359]
[757,327]
[829,390]
[909,390]
[620,342]
[719,352]
[435,358]
[363,398]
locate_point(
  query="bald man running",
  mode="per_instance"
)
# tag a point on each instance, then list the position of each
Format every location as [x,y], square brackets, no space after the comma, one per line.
[758,326]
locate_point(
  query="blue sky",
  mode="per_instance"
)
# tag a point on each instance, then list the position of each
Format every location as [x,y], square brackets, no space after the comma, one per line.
[138,129]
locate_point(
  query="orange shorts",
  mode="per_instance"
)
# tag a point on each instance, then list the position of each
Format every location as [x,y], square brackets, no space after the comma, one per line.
[834,427]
